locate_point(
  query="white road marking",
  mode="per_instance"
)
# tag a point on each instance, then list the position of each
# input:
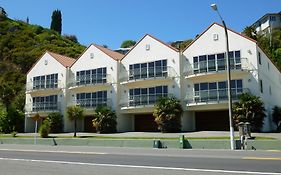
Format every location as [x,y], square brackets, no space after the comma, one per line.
[54,151]
[142,167]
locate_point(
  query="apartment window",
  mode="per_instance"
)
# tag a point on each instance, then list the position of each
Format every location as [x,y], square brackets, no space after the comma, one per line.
[148,70]
[270,92]
[92,99]
[45,81]
[146,96]
[261,86]
[213,91]
[216,62]
[92,76]
[272,18]
[259,57]
[45,103]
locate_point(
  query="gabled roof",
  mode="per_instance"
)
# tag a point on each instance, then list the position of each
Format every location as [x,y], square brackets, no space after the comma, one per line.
[223,28]
[112,54]
[154,39]
[64,60]
[246,37]
[115,55]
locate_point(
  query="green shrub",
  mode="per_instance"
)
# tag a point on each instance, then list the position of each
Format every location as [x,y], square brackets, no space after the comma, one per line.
[56,123]
[167,114]
[14,134]
[104,120]
[44,129]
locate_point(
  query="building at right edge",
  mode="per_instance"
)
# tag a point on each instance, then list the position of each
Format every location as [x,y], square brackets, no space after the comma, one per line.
[204,74]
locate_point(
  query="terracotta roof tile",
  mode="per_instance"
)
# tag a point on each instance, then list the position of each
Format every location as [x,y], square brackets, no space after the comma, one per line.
[64,60]
[115,55]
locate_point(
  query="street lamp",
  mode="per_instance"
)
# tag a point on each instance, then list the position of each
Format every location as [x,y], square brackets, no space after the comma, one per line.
[215,8]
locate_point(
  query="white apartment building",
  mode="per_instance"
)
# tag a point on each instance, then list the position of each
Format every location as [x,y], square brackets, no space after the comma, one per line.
[205,76]
[46,87]
[131,84]
[93,82]
[267,23]
[148,71]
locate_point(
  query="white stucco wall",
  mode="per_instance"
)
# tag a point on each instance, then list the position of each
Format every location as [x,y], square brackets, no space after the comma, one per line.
[40,69]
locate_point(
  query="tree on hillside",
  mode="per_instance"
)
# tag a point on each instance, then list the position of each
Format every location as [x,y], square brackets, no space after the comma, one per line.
[181,44]
[128,43]
[10,86]
[56,21]
[3,12]
[250,31]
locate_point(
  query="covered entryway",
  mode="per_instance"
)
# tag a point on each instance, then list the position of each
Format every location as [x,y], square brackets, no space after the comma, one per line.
[88,124]
[212,121]
[145,123]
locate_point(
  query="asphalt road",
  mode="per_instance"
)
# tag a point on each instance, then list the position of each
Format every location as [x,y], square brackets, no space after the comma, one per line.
[68,160]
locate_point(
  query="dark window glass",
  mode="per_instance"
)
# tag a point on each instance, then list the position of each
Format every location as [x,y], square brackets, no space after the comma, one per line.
[165,89]
[203,86]
[158,89]
[196,87]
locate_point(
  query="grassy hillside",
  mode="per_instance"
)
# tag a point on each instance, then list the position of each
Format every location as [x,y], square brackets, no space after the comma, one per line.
[21,43]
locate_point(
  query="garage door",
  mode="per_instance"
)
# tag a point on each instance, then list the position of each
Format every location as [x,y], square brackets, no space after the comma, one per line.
[145,123]
[88,124]
[212,121]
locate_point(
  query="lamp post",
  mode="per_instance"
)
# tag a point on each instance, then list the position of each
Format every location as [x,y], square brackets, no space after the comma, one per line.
[232,143]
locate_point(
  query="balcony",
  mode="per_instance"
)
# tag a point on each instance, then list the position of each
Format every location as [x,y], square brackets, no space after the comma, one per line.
[212,99]
[217,67]
[148,75]
[141,103]
[87,83]
[42,108]
[91,104]
[37,88]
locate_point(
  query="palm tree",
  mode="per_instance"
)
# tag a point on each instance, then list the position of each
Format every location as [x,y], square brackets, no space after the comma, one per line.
[104,120]
[276,117]
[250,109]
[74,113]
[167,114]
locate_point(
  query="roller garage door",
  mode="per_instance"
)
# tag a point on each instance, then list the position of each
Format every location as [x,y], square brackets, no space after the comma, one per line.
[212,121]
[145,123]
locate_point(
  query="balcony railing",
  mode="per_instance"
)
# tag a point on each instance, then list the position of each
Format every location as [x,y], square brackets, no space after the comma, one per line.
[148,73]
[42,107]
[93,103]
[43,85]
[88,80]
[216,66]
[142,100]
[216,95]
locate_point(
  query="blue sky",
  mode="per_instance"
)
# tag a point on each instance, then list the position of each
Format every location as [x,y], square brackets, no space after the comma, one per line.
[110,22]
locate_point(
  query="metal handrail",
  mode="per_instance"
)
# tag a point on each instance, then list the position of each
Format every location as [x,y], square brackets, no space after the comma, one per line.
[148,73]
[215,95]
[216,66]
[89,80]
[93,102]
[43,85]
[142,100]
[42,107]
